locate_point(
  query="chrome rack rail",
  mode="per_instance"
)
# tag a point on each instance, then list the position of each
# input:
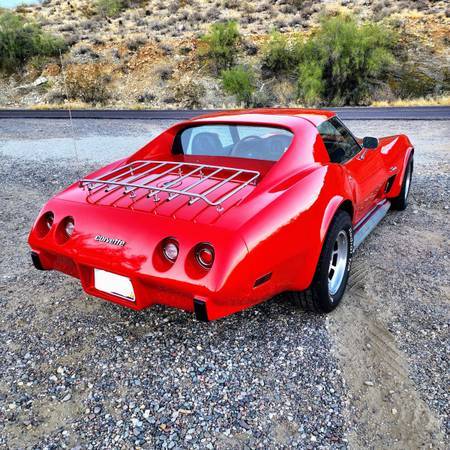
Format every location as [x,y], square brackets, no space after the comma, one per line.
[143,174]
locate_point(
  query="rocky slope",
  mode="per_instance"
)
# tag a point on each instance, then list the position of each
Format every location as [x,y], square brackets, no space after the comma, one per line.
[148,54]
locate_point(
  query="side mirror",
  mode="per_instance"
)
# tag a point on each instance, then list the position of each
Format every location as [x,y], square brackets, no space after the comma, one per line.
[370,143]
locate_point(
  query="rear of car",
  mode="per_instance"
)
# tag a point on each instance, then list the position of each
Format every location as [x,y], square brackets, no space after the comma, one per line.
[135,258]
[156,230]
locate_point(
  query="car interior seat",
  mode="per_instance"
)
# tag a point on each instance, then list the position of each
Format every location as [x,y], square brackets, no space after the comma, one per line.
[206,143]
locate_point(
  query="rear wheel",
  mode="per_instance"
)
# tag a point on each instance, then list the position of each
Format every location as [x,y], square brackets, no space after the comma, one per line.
[330,279]
[401,202]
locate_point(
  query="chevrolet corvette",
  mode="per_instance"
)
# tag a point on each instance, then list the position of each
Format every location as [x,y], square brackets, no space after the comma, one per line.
[226,210]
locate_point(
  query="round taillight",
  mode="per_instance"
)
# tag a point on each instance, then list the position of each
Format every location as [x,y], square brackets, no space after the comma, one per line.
[45,224]
[170,249]
[69,227]
[65,230]
[205,255]
[49,218]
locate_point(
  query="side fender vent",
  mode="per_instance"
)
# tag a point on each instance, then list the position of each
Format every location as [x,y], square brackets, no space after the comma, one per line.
[389,184]
[264,279]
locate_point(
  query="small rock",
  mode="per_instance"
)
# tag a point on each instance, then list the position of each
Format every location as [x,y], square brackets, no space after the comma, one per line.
[136,423]
[39,81]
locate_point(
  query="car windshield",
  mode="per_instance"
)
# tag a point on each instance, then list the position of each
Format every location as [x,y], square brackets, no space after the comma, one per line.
[238,141]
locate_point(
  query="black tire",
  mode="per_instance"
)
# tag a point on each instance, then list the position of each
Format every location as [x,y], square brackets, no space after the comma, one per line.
[401,202]
[318,297]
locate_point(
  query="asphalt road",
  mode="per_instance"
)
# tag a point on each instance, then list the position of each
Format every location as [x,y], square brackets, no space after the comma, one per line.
[359,113]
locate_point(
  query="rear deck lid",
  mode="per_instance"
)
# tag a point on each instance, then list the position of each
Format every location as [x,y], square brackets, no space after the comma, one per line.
[180,189]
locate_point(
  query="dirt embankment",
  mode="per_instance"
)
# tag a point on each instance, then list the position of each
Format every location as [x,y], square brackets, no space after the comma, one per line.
[147,56]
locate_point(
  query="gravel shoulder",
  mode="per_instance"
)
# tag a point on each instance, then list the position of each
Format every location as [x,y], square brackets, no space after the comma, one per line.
[78,371]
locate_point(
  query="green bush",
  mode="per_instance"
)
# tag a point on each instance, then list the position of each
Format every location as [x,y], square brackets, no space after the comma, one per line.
[222,45]
[240,82]
[109,8]
[343,61]
[21,40]
[280,55]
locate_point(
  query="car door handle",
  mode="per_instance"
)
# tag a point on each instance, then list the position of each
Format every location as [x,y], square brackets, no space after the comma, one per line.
[392,168]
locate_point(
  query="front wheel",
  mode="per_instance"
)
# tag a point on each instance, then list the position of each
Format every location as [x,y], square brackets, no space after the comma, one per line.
[333,268]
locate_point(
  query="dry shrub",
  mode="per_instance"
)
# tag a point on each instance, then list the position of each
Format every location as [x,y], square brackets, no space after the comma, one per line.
[298,4]
[88,83]
[51,70]
[285,92]
[164,71]
[87,10]
[135,42]
[189,93]
[175,5]
[146,97]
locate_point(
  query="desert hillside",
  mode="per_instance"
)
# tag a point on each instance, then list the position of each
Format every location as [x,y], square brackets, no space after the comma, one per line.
[153,53]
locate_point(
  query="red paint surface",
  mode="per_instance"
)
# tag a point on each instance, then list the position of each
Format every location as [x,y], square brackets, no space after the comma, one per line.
[277,226]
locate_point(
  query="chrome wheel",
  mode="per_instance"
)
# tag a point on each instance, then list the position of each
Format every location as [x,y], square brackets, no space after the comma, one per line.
[338,262]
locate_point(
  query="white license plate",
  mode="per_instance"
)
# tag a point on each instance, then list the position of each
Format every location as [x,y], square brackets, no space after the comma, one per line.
[114,284]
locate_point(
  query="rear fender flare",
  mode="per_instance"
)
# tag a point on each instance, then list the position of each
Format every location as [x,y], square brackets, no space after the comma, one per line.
[330,211]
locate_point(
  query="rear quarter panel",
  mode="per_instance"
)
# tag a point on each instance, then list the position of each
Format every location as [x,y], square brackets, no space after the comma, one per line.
[286,237]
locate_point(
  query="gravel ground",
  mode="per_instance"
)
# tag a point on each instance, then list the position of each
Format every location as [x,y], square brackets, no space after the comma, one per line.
[76,371]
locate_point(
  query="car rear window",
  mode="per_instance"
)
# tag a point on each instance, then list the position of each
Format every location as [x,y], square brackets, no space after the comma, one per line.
[238,141]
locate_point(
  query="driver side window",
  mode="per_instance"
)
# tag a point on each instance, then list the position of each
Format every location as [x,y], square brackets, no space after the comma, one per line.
[340,144]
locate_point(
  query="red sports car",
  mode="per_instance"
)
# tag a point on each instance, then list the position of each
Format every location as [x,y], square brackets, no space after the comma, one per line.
[224,211]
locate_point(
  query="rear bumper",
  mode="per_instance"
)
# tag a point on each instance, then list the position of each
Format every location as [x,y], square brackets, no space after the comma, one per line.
[226,288]
[36,261]
[149,290]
